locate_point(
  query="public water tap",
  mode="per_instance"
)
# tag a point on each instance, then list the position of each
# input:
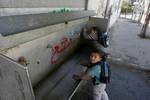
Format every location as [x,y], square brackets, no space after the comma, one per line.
[22,60]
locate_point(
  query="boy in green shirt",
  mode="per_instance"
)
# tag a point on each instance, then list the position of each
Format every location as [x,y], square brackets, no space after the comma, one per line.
[94,72]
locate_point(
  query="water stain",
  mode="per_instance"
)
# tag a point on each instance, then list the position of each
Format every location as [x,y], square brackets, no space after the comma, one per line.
[20,84]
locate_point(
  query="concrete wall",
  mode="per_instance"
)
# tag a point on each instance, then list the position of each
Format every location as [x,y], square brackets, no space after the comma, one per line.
[101,23]
[26,11]
[21,7]
[112,7]
[93,5]
[14,81]
[99,6]
[16,24]
[42,3]
[113,11]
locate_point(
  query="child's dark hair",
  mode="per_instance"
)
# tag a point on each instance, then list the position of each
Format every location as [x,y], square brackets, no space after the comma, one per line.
[98,52]
[103,55]
[95,28]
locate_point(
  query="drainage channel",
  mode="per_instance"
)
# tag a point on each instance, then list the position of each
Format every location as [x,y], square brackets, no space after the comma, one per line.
[60,85]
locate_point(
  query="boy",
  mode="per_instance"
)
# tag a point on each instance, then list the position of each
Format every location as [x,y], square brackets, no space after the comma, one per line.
[90,39]
[93,72]
[93,35]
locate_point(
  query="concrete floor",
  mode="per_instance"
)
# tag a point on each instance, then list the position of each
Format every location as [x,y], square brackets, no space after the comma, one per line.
[127,46]
[126,84]
[59,85]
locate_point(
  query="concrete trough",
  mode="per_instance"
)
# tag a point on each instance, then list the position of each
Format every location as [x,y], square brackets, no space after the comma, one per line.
[44,50]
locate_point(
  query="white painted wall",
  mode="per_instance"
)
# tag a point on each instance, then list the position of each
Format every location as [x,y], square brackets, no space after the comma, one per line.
[99,6]
[114,8]
[93,5]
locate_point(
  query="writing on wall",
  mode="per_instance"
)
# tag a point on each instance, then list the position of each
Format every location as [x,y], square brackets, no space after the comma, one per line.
[58,48]
[61,10]
[64,43]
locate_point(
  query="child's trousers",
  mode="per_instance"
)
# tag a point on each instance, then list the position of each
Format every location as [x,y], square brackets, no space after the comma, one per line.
[99,92]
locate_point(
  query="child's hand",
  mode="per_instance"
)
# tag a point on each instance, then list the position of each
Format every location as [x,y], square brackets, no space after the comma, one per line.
[76,77]
[86,64]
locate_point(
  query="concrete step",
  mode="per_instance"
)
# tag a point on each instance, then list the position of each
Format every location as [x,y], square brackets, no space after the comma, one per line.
[60,85]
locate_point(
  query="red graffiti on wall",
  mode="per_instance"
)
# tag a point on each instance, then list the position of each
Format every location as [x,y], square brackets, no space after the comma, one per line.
[59,48]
